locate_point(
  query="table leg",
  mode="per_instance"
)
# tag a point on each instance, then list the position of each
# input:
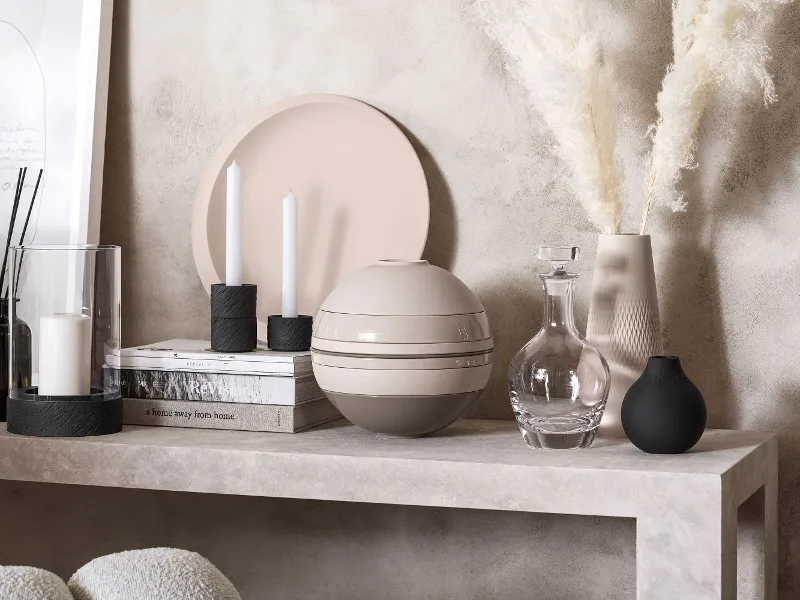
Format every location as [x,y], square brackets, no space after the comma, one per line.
[771,533]
[689,553]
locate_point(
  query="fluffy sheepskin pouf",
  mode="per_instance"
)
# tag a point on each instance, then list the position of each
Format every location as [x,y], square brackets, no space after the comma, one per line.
[29,583]
[151,574]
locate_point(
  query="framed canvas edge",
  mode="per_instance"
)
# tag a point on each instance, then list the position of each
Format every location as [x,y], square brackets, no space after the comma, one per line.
[90,121]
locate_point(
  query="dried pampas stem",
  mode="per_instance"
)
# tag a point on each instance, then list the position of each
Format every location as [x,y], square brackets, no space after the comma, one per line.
[556,56]
[715,43]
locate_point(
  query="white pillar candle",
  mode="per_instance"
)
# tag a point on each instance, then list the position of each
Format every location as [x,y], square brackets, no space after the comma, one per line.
[289,288]
[233,225]
[65,357]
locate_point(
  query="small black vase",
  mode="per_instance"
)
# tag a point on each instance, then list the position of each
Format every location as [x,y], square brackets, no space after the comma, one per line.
[663,411]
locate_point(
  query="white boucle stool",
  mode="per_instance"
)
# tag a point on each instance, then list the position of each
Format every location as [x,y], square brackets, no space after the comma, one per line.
[151,574]
[30,583]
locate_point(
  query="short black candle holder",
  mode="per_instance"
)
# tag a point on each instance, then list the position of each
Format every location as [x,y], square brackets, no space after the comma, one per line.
[289,334]
[99,413]
[234,327]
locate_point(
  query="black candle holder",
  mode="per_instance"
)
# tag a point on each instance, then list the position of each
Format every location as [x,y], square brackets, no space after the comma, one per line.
[234,327]
[289,334]
[29,413]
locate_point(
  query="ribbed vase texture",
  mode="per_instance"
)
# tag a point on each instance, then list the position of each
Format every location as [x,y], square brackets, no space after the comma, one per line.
[624,322]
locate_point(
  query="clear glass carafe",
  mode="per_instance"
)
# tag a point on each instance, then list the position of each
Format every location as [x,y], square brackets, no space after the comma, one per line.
[558,383]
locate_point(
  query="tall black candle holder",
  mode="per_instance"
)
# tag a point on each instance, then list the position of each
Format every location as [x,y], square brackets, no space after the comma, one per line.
[234,327]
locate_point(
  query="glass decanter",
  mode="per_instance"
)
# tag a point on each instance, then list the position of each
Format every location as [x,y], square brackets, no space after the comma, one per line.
[558,383]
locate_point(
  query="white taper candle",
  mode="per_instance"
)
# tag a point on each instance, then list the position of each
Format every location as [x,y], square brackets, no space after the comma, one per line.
[65,355]
[289,295]
[233,225]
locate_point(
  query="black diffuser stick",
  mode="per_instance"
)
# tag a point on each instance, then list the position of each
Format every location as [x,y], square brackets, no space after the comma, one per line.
[14,208]
[25,226]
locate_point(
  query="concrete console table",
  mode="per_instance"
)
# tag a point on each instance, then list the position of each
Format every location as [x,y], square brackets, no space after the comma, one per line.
[685,506]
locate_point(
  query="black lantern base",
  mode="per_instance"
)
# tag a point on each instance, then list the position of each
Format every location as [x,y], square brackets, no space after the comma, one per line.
[63,416]
[289,334]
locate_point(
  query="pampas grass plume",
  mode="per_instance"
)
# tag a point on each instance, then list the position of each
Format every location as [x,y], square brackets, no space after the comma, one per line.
[556,56]
[716,43]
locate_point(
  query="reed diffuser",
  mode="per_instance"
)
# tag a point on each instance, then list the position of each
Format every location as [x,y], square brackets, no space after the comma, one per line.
[20,374]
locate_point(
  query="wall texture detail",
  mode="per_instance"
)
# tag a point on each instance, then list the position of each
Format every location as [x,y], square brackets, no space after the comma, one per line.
[185,72]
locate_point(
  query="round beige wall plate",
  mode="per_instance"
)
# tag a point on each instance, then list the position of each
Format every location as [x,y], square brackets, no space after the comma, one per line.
[360,185]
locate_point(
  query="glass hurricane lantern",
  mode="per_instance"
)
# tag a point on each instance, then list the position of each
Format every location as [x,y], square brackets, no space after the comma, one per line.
[70,298]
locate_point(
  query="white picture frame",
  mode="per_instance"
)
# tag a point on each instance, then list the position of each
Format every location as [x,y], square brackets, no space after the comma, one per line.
[54,61]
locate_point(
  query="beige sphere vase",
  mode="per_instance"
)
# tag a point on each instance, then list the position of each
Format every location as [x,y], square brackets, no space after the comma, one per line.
[402,348]
[623,320]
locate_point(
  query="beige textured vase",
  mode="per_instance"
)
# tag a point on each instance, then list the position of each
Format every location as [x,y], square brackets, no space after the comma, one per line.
[623,316]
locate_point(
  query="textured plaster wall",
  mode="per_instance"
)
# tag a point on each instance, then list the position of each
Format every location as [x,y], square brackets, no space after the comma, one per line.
[185,72]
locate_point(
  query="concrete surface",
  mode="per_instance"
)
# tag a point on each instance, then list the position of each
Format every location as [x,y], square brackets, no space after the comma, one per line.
[685,506]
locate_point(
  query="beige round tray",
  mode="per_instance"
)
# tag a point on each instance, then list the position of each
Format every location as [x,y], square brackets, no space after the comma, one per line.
[360,185]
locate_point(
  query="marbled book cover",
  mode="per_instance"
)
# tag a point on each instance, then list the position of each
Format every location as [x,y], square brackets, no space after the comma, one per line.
[218,387]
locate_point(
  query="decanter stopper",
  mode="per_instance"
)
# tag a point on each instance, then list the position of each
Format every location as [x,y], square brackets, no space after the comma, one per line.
[558,256]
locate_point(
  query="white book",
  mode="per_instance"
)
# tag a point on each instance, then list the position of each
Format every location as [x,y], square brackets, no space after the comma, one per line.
[209,366]
[196,356]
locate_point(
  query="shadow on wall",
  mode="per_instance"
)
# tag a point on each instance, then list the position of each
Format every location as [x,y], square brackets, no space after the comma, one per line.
[692,319]
[640,57]
[117,216]
[440,248]
[789,492]
[514,308]
[759,145]
[757,154]
[690,306]
[756,159]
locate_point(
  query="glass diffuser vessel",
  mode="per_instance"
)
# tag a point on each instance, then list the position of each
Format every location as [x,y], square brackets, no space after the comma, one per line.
[558,383]
[69,297]
[21,376]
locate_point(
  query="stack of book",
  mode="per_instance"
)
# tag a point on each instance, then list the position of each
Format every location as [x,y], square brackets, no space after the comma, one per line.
[181,383]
